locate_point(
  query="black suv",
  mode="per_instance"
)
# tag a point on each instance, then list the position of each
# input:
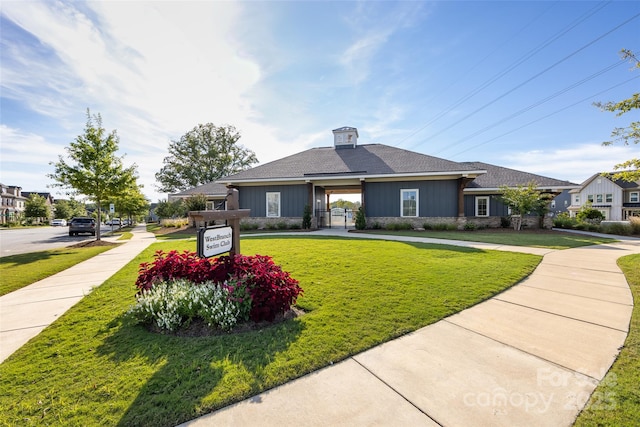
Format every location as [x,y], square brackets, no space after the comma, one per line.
[82,225]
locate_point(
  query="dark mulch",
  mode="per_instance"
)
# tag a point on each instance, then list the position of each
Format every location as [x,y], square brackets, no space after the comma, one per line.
[198,328]
[93,243]
[170,230]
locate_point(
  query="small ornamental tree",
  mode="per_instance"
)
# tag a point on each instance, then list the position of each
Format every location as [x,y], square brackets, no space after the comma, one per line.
[521,200]
[92,167]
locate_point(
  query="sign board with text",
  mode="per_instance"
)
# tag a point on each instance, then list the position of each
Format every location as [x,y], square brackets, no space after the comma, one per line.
[213,241]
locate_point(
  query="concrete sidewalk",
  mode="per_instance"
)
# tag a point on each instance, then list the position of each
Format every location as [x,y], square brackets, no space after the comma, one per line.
[532,355]
[26,312]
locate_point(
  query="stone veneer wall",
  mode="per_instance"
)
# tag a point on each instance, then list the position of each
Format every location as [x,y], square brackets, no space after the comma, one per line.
[530,222]
[274,223]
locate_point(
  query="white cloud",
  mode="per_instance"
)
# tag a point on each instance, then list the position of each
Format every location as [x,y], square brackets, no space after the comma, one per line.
[575,164]
[20,147]
[153,70]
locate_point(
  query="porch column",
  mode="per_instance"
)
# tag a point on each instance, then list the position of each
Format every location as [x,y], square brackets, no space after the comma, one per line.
[462,183]
[310,195]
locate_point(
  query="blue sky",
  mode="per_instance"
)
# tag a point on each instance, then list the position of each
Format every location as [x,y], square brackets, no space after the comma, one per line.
[510,83]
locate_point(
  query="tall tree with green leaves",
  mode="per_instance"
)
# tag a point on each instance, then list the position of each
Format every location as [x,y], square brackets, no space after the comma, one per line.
[203,155]
[92,168]
[628,170]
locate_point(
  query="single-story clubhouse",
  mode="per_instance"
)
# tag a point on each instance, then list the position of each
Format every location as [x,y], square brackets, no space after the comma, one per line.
[395,186]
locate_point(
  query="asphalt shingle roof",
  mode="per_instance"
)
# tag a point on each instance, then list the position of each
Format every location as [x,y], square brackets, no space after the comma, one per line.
[365,159]
[497,176]
[211,189]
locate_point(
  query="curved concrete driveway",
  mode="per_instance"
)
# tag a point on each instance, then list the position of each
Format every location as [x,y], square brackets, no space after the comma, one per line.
[532,355]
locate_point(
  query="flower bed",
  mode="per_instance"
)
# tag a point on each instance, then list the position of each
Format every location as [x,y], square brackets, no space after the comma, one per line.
[179,288]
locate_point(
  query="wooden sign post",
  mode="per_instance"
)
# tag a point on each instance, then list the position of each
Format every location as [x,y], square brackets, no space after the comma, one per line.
[232,216]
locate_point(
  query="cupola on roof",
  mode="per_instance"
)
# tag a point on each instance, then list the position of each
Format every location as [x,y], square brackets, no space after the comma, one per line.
[345,137]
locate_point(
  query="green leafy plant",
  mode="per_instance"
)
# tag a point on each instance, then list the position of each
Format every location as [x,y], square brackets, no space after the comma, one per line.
[589,214]
[272,290]
[306,217]
[361,220]
[175,303]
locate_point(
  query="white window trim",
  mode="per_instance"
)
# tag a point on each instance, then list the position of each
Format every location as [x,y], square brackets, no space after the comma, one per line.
[487,199]
[407,190]
[267,204]
[631,197]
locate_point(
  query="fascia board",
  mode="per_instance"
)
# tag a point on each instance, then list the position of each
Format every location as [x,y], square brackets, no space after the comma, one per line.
[378,178]
[542,188]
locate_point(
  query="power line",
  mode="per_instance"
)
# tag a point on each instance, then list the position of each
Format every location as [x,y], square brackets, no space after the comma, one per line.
[535,76]
[511,67]
[483,86]
[546,116]
[535,104]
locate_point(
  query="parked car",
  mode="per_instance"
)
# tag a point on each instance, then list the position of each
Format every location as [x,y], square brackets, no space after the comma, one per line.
[114,221]
[82,225]
[59,222]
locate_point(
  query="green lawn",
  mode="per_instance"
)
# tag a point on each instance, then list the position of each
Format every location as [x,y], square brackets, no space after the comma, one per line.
[92,367]
[616,401]
[533,238]
[24,269]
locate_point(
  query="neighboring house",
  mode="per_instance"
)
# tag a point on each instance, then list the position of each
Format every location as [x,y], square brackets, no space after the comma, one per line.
[560,204]
[214,192]
[395,185]
[11,203]
[616,199]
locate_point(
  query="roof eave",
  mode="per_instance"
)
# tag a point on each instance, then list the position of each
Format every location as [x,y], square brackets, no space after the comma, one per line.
[552,188]
[359,177]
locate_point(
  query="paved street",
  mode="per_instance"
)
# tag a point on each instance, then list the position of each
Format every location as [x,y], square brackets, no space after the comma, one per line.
[26,240]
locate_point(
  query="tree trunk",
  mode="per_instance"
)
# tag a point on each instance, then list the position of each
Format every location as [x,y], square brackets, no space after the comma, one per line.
[516,221]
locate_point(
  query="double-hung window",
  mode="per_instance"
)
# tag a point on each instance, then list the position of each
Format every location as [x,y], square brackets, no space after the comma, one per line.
[409,203]
[598,198]
[608,198]
[634,197]
[273,204]
[482,206]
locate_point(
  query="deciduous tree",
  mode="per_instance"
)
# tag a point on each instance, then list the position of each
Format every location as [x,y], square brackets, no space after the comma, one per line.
[522,200]
[203,155]
[92,168]
[630,169]
[36,207]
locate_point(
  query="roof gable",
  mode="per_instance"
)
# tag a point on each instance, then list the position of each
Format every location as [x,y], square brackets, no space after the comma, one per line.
[626,185]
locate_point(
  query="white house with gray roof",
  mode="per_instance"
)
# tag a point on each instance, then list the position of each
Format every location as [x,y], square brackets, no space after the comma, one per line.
[395,185]
[616,199]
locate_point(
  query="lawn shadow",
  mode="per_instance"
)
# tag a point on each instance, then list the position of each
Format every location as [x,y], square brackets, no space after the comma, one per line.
[31,257]
[188,369]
